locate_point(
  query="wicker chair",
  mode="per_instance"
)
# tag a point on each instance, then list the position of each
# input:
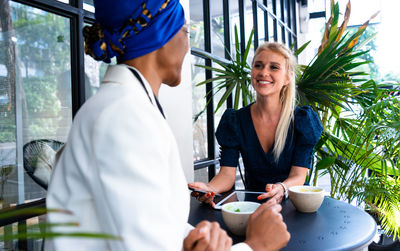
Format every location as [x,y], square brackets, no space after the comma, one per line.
[39,159]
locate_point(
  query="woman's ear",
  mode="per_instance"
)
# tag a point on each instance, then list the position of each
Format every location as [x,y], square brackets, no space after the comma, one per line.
[289,77]
[287,80]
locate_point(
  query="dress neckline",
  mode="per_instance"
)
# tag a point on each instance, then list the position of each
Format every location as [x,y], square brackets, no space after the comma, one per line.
[254,132]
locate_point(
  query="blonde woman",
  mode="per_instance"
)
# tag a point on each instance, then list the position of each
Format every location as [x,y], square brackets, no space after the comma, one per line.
[274,137]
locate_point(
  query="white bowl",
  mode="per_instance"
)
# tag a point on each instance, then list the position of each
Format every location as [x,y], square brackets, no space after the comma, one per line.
[236,215]
[306,199]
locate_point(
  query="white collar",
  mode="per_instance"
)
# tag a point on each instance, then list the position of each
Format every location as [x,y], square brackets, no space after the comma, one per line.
[122,75]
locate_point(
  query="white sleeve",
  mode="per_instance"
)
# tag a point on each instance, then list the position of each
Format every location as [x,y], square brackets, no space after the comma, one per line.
[132,152]
[187,231]
[241,247]
[238,247]
[189,227]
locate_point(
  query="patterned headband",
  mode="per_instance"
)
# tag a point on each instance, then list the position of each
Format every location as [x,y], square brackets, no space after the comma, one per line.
[103,44]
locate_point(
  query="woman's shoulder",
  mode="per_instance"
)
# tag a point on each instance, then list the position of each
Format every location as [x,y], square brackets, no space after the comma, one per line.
[228,129]
[306,120]
[229,115]
[232,115]
[305,113]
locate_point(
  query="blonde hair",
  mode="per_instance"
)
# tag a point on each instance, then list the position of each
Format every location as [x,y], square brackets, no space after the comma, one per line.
[287,95]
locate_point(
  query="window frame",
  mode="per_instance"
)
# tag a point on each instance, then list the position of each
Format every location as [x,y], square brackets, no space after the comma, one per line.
[77,16]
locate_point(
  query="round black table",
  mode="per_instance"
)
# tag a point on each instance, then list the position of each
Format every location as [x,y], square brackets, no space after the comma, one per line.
[335,226]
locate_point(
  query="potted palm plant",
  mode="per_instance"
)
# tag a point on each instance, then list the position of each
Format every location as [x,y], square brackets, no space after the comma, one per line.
[360,145]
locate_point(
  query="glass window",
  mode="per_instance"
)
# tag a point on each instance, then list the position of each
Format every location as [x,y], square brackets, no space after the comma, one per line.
[279,32]
[283,16]
[385,51]
[199,114]
[271,28]
[278,9]
[317,5]
[217,29]
[10,244]
[248,21]
[201,175]
[315,31]
[289,38]
[196,25]
[221,110]
[88,5]
[234,21]
[287,11]
[260,24]
[35,84]
[94,73]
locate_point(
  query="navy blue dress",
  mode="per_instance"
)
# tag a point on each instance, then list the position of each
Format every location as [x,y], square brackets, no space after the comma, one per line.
[236,134]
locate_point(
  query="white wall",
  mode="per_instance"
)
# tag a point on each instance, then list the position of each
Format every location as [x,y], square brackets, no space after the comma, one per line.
[177,105]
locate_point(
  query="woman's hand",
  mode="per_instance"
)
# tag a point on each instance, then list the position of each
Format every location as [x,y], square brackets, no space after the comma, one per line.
[275,192]
[207,236]
[205,198]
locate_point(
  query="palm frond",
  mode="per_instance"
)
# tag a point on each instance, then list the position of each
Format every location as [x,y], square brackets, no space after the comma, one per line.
[231,77]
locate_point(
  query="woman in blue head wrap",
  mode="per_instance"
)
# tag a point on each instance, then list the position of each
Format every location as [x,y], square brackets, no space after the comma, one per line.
[120,172]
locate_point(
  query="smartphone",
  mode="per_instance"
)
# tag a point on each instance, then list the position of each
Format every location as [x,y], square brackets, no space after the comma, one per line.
[201,192]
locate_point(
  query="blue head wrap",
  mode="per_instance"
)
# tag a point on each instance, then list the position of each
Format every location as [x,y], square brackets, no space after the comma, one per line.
[129,29]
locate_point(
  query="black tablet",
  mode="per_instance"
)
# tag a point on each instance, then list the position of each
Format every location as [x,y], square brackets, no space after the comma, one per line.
[239,195]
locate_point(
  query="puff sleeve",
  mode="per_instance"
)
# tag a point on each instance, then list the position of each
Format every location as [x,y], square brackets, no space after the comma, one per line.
[228,138]
[308,129]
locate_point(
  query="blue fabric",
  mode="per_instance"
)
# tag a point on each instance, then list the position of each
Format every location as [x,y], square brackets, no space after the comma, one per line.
[236,134]
[129,29]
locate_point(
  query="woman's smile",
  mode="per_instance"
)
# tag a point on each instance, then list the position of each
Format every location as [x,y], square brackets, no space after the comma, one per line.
[264,82]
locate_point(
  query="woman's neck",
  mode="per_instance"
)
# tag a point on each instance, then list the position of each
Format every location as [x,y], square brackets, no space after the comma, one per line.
[267,109]
[145,66]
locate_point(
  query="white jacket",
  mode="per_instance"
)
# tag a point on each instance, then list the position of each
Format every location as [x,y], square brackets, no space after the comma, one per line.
[120,173]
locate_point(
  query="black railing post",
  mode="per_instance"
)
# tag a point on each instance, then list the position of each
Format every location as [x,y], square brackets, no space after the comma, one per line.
[255,24]
[227,41]
[209,88]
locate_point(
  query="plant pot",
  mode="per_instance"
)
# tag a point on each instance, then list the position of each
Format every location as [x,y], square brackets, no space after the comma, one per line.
[385,242]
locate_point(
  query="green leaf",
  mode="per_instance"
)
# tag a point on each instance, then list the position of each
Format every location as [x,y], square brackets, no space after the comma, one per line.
[301,49]
[50,235]
[325,163]
[246,52]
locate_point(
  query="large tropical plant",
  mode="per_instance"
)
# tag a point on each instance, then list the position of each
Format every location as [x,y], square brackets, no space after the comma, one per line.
[360,144]
[359,147]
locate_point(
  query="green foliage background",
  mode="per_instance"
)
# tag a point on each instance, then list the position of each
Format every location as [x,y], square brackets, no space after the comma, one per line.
[43,53]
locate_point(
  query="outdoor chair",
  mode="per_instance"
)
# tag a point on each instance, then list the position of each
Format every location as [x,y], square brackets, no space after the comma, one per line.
[39,158]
